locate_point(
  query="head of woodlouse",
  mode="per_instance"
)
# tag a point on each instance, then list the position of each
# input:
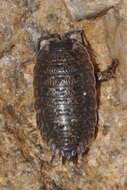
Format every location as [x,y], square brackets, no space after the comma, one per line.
[61,44]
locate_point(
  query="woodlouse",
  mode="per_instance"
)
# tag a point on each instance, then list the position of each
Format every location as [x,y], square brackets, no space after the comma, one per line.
[65,95]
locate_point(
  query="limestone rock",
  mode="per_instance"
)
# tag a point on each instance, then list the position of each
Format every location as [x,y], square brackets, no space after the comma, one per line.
[81,9]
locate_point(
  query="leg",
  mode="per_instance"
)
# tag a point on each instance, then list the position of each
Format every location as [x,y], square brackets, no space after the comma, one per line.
[109,73]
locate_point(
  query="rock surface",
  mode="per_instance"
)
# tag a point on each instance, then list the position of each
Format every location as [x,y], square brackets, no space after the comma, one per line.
[81,9]
[24,158]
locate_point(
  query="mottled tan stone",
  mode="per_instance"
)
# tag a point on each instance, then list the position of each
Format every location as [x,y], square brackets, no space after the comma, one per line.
[81,9]
[24,158]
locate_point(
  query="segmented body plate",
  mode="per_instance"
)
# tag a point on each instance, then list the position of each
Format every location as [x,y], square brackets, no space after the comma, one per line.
[65,99]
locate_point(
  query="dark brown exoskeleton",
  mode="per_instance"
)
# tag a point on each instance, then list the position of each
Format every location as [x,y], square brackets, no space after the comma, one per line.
[65,95]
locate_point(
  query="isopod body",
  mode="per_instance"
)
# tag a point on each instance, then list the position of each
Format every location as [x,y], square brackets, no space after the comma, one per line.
[65,96]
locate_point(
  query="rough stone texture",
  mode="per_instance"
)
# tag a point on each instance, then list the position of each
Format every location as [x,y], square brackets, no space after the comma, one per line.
[80,9]
[24,158]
